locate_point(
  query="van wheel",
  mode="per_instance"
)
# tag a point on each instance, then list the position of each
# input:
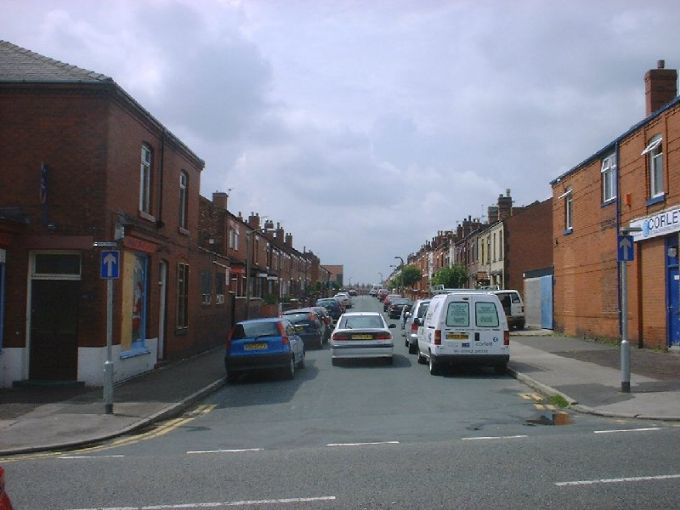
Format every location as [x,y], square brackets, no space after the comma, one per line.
[302,361]
[421,358]
[434,366]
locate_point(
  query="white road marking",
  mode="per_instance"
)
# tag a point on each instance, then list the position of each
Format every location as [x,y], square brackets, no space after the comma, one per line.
[91,456]
[217,504]
[626,430]
[362,444]
[241,450]
[479,438]
[618,480]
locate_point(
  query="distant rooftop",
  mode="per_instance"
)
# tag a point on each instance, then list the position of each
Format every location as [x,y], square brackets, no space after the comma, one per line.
[18,64]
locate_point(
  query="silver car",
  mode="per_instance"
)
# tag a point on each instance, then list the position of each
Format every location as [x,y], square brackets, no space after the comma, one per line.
[414,321]
[362,335]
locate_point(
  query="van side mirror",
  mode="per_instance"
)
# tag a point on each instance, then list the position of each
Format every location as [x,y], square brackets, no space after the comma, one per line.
[391,326]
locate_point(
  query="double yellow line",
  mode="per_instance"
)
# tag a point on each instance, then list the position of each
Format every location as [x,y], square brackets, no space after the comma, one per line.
[157,431]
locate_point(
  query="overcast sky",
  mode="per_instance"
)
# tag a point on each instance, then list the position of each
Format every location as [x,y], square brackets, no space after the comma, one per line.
[364,127]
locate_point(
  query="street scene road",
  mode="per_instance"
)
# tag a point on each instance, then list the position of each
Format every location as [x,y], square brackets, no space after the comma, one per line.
[365,435]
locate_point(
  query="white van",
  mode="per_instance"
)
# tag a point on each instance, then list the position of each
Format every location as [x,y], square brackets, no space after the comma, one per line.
[464,328]
[513,307]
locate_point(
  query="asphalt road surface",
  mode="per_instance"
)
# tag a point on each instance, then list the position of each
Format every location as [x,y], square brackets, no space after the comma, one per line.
[362,436]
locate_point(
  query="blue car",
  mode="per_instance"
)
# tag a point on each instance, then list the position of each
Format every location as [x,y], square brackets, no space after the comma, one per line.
[264,344]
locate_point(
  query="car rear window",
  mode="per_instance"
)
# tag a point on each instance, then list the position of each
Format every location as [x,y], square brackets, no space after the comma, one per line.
[458,314]
[297,317]
[361,322]
[255,329]
[486,314]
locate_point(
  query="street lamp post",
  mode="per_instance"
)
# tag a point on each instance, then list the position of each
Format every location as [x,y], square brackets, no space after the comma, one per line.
[268,227]
[401,273]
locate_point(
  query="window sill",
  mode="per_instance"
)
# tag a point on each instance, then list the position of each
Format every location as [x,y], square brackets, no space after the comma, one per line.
[135,352]
[181,331]
[183,231]
[568,231]
[609,202]
[656,200]
[146,216]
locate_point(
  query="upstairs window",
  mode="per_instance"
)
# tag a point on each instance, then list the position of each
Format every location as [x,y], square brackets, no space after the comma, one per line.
[145,180]
[568,210]
[608,178]
[183,199]
[654,153]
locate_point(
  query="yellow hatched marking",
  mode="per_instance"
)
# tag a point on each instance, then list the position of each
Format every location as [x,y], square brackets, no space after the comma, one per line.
[540,407]
[551,407]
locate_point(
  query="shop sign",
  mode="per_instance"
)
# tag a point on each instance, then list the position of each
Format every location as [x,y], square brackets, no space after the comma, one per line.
[659,224]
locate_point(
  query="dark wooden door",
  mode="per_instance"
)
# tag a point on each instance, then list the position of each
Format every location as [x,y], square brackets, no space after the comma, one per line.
[54,330]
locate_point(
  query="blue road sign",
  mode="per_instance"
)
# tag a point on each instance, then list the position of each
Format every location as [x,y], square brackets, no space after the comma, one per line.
[626,248]
[109,267]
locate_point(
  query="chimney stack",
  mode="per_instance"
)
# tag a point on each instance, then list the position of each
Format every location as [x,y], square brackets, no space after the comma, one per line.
[661,87]
[289,240]
[220,200]
[254,220]
[504,206]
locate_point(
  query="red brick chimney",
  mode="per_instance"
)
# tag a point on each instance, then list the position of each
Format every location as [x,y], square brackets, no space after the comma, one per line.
[220,200]
[254,220]
[661,87]
[289,240]
[504,205]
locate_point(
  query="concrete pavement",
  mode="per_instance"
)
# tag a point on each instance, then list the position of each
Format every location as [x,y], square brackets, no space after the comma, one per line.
[584,372]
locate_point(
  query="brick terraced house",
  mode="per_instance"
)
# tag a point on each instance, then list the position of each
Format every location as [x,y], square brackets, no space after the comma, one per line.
[632,181]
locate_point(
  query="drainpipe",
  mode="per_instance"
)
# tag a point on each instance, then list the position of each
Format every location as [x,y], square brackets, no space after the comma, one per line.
[159,220]
[616,240]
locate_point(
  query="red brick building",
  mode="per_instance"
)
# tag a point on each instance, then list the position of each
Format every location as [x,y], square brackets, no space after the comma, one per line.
[83,162]
[632,181]
[528,242]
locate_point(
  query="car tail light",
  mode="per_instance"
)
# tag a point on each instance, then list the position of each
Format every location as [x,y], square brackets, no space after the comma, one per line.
[437,337]
[340,336]
[414,327]
[282,332]
[506,337]
[383,335]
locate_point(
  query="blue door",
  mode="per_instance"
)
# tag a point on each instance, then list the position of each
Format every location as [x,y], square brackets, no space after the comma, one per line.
[673,296]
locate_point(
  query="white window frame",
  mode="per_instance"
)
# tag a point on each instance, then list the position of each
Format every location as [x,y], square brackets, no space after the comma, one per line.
[145,179]
[183,199]
[568,211]
[654,152]
[608,178]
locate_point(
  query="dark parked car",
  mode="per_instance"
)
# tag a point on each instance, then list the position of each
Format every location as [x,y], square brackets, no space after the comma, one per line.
[396,306]
[332,305]
[308,325]
[263,344]
[326,319]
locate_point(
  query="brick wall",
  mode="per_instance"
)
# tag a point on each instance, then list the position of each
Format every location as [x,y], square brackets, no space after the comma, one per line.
[528,242]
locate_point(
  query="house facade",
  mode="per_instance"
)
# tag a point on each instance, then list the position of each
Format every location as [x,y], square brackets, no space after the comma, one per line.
[631,182]
[88,165]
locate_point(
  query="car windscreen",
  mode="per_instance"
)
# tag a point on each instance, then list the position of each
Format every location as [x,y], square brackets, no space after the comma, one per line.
[255,329]
[361,322]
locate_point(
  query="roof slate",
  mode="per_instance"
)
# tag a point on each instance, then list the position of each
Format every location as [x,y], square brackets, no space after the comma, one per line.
[18,64]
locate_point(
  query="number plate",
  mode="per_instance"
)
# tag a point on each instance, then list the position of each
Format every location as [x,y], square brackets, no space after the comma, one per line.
[254,347]
[451,335]
[299,328]
[362,337]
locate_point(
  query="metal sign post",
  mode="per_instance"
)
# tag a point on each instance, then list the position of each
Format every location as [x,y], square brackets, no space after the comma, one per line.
[109,270]
[626,253]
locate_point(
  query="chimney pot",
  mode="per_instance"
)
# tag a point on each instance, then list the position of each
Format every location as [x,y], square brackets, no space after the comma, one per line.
[660,64]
